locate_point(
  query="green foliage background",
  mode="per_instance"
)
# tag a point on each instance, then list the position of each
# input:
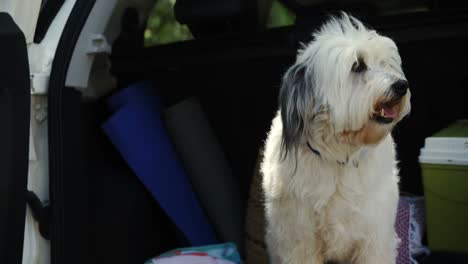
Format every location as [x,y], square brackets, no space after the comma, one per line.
[163,28]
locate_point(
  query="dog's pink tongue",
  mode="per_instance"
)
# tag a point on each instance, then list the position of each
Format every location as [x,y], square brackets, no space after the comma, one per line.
[389,112]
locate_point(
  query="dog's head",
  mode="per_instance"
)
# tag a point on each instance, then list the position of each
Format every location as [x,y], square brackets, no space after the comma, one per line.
[346,84]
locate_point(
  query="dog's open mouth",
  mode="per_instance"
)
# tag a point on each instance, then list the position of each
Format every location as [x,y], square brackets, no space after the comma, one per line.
[387,111]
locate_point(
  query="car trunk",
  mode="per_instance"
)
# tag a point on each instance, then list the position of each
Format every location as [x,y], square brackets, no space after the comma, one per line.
[236,78]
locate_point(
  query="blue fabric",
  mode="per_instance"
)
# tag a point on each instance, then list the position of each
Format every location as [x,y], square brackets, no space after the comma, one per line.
[137,131]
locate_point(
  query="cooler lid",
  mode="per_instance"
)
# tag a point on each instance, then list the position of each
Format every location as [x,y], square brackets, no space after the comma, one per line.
[448,146]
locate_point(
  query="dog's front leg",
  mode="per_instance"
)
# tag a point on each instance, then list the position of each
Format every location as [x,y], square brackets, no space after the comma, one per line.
[299,250]
[291,236]
[382,250]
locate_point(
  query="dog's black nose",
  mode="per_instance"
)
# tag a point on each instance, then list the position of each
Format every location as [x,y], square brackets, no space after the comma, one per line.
[400,87]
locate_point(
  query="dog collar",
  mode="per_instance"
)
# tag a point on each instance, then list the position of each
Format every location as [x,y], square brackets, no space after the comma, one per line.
[342,163]
[316,152]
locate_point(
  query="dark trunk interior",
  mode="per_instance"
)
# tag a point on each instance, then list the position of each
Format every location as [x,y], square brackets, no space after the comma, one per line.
[237,77]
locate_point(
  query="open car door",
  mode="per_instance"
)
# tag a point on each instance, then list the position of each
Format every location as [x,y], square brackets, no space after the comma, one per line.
[14,138]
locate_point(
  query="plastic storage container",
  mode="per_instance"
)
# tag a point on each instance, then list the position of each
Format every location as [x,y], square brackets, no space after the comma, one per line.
[444,163]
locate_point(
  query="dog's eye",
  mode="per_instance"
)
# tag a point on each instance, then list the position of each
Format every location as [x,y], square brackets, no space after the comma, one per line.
[359,66]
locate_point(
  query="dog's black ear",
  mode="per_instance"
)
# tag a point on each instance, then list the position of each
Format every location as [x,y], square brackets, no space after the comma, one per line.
[295,98]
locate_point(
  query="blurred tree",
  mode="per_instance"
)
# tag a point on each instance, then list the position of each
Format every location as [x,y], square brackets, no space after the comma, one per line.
[162,26]
[280,16]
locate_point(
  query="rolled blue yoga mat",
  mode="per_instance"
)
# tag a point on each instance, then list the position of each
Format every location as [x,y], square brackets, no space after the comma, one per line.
[137,131]
[141,92]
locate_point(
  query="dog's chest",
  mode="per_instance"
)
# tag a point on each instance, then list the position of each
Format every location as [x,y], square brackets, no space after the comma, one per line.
[343,219]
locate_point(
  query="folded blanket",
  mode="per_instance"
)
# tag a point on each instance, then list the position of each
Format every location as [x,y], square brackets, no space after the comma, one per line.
[214,254]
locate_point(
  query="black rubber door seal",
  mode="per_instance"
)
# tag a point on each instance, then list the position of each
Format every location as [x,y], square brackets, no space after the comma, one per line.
[63,244]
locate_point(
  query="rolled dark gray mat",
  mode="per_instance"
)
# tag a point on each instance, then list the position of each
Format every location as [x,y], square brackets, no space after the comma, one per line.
[207,168]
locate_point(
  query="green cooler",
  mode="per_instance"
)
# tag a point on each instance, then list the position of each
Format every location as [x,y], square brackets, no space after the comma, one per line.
[444,163]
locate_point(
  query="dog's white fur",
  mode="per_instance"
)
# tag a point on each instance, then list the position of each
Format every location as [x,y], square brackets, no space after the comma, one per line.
[340,205]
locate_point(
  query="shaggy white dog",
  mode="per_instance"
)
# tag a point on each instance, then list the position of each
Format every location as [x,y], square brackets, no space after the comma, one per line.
[329,169]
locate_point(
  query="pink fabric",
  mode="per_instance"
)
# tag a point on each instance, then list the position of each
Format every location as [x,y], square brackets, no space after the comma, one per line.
[402,229]
[410,227]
